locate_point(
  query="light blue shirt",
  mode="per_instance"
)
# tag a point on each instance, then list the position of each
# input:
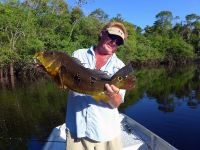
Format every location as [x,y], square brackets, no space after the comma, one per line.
[85,116]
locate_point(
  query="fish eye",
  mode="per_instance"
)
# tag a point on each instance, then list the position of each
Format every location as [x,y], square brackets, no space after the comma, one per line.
[120,78]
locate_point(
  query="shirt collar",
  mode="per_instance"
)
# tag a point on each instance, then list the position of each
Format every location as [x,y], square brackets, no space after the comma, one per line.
[91,50]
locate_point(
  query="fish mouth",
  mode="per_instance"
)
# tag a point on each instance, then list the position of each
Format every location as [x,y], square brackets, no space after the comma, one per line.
[36,59]
[37,63]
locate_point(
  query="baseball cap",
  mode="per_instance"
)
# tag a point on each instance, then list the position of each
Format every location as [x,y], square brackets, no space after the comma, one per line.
[116,31]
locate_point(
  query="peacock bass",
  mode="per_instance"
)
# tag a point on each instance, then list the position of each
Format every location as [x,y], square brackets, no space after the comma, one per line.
[69,73]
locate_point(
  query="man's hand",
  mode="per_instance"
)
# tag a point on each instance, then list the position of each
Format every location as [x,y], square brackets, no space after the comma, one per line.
[113,93]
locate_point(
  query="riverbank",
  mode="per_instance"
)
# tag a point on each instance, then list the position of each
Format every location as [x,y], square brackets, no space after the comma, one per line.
[31,71]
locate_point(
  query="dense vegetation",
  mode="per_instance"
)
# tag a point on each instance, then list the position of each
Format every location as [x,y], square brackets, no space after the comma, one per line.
[34,25]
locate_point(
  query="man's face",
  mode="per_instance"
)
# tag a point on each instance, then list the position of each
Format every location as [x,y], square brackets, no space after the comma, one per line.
[110,42]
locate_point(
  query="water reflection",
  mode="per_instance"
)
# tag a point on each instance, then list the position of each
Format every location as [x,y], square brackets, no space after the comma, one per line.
[166,102]
[29,110]
[166,85]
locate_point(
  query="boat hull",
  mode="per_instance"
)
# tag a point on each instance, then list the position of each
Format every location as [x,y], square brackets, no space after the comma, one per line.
[134,137]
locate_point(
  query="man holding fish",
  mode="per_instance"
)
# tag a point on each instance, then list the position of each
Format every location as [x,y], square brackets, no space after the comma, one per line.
[97,80]
[95,125]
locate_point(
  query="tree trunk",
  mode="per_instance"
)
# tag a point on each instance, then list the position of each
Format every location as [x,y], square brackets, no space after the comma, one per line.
[6,75]
[1,77]
[1,74]
[12,77]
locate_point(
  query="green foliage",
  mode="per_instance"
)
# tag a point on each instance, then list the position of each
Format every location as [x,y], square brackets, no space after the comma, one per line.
[87,31]
[33,25]
[164,20]
[76,14]
[178,48]
[100,15]
[118,18]
[7,56]
[127,51]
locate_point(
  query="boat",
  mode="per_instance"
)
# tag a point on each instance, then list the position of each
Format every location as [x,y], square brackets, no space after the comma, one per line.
[134,137]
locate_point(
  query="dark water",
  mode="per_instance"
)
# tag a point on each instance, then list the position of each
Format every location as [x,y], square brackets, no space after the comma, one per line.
[165,100]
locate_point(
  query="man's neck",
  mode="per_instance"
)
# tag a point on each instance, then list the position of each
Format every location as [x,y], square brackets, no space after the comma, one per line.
[101,58]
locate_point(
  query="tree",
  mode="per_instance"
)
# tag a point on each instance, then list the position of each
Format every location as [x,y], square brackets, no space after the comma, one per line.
[118,18]
[87,32]
[164,21]
[81,2]
[179,50]
[195,37]
[176,20]
[192,31]
[127,51]
[191,19]
[76,14]
[100,15]
[59,7]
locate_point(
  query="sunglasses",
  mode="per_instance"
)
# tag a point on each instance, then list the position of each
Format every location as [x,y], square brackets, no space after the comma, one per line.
[118,40]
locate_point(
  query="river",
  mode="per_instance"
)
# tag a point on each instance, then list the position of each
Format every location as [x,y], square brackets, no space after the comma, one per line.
[165,100]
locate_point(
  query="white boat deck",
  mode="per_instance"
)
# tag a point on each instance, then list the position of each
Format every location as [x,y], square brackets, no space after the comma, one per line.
[134,137]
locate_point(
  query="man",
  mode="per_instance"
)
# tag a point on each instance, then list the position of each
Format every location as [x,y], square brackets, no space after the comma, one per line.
[93,125]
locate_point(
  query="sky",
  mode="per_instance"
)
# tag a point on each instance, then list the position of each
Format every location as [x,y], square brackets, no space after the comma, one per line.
[141,12]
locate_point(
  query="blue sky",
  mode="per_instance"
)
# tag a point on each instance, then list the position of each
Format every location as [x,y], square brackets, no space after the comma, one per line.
[141,12]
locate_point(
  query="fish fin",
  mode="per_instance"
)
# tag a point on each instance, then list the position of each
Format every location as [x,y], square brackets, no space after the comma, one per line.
[77,61]
[100,96]
[59,79]
[124,71]
[100,75]
[59,82]
[61,73]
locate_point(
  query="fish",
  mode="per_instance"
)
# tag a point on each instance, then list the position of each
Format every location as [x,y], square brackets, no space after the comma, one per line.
[70,74]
